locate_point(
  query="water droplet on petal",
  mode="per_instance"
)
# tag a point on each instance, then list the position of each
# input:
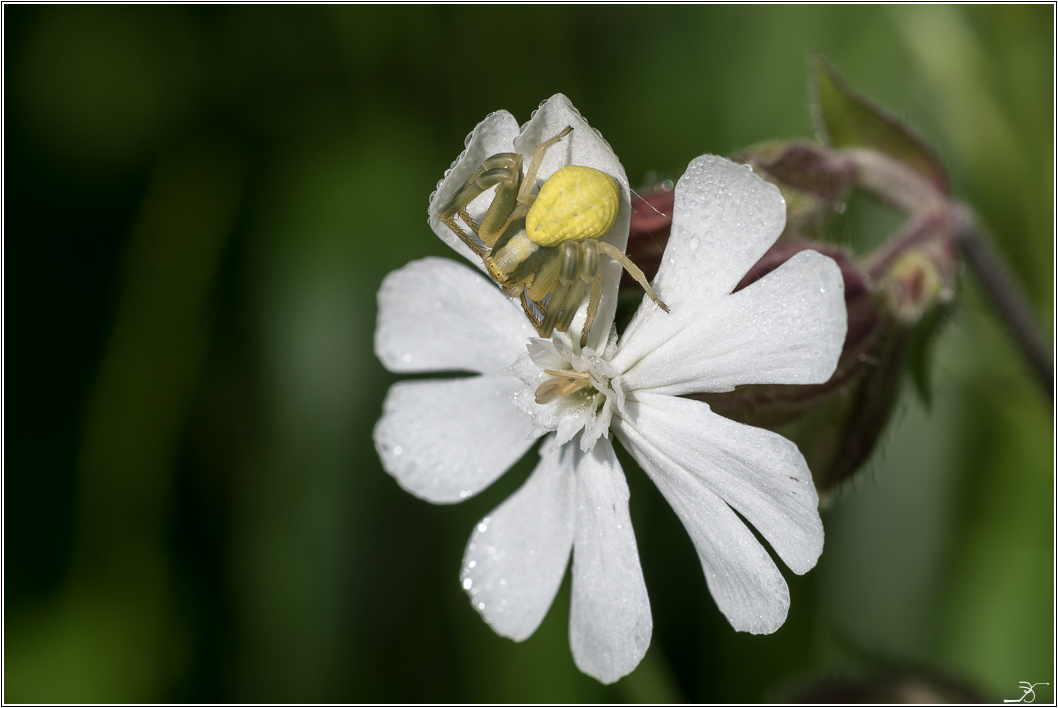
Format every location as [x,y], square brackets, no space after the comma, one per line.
[693,245]
[467,583]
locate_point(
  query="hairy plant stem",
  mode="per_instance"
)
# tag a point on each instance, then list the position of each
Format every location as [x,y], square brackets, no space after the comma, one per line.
[1005,295]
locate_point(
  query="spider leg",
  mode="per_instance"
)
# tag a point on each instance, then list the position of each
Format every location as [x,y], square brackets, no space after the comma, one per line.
[567,278]
[593,306]
[468,220]
[528,309]
[587,267]
[633,270]
[519,212]
[529,181]
[504,171]
[546,275]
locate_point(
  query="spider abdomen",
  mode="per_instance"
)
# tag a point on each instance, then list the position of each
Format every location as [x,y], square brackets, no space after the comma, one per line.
[576,203]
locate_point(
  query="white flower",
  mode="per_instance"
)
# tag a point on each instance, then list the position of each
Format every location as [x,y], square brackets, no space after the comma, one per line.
[446,440]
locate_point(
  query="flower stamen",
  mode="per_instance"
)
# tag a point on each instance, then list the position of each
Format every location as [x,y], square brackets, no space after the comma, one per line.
[564,384]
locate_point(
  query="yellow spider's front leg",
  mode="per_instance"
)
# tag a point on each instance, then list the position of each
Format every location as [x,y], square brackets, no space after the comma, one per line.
[503,171]
[525,196]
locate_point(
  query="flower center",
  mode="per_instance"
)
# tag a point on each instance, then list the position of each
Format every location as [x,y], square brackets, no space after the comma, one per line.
[568,389]
[563,384]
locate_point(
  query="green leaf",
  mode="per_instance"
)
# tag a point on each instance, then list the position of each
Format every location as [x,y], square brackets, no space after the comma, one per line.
[846,119]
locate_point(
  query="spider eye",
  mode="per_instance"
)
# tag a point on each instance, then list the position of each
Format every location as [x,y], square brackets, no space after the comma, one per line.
[576,203]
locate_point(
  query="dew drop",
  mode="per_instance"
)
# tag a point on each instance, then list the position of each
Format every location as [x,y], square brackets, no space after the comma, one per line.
[471,564]
[482,528]
[467,583]
[407,358]
[397,450]
[693,245]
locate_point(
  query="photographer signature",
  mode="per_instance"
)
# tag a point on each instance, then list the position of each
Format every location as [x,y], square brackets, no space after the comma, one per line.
[1029,696]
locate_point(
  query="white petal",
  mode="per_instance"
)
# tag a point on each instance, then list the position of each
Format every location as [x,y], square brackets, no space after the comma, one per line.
[492,136]
[438,315]
[544,355]
[724,219]
[584,146]
[788,327]
[447,440]
[761,474]
[699,461]
[610,622]
[517,555]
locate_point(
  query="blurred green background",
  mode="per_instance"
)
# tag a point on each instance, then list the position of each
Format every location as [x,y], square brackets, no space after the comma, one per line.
[201,203]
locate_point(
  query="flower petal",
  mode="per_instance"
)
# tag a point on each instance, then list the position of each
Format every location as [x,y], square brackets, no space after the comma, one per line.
[610,622]
[517,555]
[492,136]
[761,474]
[584,146]
[447,440]
[788,327]
[438,315]
[724,218]
[698,461]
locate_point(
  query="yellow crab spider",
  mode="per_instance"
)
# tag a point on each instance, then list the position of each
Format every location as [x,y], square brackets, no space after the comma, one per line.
[544,244]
